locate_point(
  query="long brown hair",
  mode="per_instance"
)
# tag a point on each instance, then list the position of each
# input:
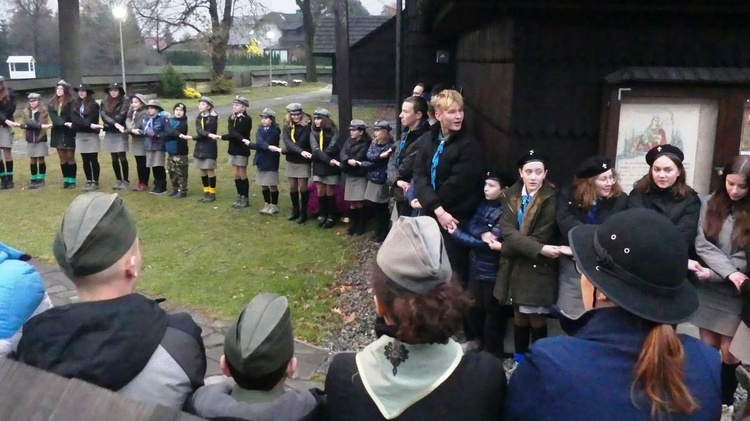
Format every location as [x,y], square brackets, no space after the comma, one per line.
[112,105]
[88,103]
[659,374]
[720,205]
[584,190]
[58,102]
[42,110]
[304,121]
[421,319]
[326,124]
[4,94]
[680,190]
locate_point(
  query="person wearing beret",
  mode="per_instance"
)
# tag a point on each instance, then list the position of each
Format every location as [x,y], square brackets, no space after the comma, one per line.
[722,244]
[84,119]
[665,190]
[594,196]
[7,109]
[415,370]
[176,144]
[448,173]
[259,357]
[206,150]
[296,138]
[267,160]
[486,319]
[112,337]
[378,154]
[353,153]
[22,296]
[401,164]
[153,127]
[62,137]
[114,113]
[527,277]
[325,147]
[36,124]
[625,361]
[136,114]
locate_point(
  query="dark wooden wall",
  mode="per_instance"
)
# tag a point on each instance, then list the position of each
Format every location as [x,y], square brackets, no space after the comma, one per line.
[373,61]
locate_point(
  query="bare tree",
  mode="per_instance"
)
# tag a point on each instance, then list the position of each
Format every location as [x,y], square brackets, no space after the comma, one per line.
[36,13]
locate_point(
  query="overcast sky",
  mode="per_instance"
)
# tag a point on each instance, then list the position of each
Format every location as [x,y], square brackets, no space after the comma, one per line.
[289,6]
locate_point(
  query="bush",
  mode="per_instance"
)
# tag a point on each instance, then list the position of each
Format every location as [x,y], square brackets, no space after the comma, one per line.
[172,83]
[222,85]
[191,93]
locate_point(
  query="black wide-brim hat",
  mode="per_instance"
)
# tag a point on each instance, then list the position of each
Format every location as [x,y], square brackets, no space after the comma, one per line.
[84,87]
[638,259]
[115,85]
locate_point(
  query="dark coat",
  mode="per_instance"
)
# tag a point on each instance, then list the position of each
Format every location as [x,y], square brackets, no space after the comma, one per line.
[9,108]
[239,128]
[34,131]
[589,376]
[264,159]
[401,163]
[474,391]
[356,150]
[119,115]
[684,213]
[295,144]
[459,174]
[569,214]
[525,276]
[483,261]
[205,147]
[172,131]
[82,122]
[377,167]
[322,155]
[154,129]
[61,134]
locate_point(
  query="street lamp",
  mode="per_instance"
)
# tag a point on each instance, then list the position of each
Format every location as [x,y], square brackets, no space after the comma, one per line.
[270,36]
[121,14]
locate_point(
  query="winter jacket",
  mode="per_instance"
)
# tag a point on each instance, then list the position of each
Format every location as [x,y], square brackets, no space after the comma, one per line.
[570,214]
[684,212]
[128,345]
[9,108]
[525,277]
[205,147]
[324,151]
[83,118]
[377,167]
[296,139]
[215,402]
[264,159]
[459,176]
[483,262]
[33,127]
[356,150]
[118,115]
[153,126]
[239,127]
[589,376]
[173,128]
[401,162]
[58,118]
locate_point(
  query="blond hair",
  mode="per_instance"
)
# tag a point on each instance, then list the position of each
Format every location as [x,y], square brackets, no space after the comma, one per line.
[445,99]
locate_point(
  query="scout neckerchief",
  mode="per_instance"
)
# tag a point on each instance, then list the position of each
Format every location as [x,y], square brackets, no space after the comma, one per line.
[80,110]
[33,132]
[404,135]
[321,139]
[591,215]
[294,126]
[436,160]
[525,199]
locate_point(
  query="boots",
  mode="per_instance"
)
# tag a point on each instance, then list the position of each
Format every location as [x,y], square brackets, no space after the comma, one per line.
[381,222]
[303,207]
[330,221]
[295,206]
[160,187]
[354,216]
[359,227]
[3,182]
[243,202]
[237,201]
[323,210]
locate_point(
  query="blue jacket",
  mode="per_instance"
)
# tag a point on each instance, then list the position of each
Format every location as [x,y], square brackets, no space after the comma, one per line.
[588,376]
[483,262]
[264,159]
[153,127]
[21,290]
[377,167]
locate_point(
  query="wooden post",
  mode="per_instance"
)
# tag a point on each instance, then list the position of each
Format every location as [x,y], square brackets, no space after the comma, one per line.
[70,41]
[343,69]
[399,32]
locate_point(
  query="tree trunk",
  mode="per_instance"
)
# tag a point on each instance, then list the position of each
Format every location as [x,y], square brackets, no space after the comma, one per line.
[219,38]
[70,40]
[308,25]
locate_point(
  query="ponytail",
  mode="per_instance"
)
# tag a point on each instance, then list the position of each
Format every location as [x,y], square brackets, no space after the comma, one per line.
[659,373]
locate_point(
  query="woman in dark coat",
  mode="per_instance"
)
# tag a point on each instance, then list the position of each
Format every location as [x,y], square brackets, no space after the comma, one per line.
[594,196]
[415,371]
[267,159]
[527,277]
[114,113]
[353,153]
[325,147]
[665,190]
[62,137]
[136,113]
[296,138]
[84,119]
[625,361]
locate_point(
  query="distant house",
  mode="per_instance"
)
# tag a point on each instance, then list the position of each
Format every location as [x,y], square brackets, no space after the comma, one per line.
[372,46]
[289,35]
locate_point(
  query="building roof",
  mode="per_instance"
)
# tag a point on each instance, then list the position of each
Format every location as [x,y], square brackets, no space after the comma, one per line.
[359,27]
[284,21]
[19,59]
[680,74]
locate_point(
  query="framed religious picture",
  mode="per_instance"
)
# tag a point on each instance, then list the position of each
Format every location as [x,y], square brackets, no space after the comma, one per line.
[645,123]
[745,140]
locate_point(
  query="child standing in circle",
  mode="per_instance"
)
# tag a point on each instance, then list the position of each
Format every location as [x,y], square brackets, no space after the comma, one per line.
[84,118]
[206,150]
[136,114]
[353,152]
[177,149]
[267,160]
[326,172]
[153,127]
[378,154]
[239,125]
[296,137]
[114,111]
[7,109]
[62,137]
[36,123]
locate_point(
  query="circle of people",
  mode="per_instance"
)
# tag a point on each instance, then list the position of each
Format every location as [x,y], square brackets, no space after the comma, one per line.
[619,271]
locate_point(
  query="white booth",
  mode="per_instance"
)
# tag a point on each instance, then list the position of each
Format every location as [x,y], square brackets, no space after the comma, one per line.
[21,67]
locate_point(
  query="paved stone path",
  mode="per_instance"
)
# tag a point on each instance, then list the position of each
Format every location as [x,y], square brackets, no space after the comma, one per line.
[312,360]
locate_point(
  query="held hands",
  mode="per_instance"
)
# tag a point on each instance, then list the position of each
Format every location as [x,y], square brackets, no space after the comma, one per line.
[96,126]
[566,251]
[352,162]
[136,132]
[12,124]
[737,279]
[334,163]
[46,126]
[386,153]
[445,219]
[496,246]
[553,252]
[403,184]
[703,273]
[246,142]
[488,237]
[274,149]
[214,136]
[186,137]
[306,154]
[415,204]
[69,124]
[119,127]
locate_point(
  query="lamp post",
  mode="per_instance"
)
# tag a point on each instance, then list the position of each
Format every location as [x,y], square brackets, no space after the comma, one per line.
[121,14]
[270,36]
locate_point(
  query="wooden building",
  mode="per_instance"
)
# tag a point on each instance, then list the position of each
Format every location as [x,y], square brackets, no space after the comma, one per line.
[574,78]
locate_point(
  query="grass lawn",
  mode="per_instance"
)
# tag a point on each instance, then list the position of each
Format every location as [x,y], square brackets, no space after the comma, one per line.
[208,257]
[253,94]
